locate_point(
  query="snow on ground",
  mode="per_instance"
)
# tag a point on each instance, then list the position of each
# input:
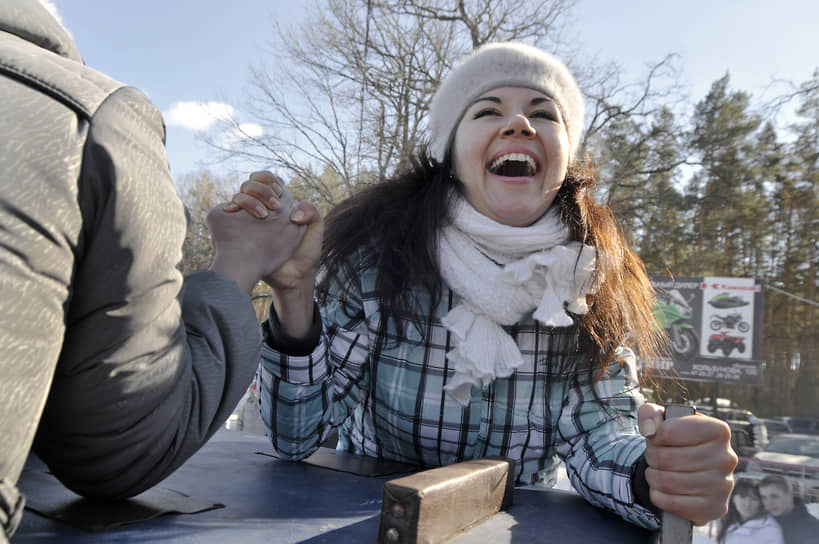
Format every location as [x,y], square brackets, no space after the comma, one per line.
[706,534]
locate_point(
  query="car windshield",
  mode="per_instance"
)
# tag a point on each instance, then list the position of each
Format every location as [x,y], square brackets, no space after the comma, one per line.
[774,426]
[799,425]
[795,446]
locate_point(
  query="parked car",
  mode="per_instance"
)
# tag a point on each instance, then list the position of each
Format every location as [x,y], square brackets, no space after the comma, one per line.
[806,425]
[794,456]
[776,427]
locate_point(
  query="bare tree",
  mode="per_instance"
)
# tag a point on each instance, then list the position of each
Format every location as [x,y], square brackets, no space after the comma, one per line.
[200,192]
[348,91]
[343,100]
[612,103]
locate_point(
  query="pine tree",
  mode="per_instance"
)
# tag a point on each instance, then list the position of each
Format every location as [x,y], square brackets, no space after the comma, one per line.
[723,186]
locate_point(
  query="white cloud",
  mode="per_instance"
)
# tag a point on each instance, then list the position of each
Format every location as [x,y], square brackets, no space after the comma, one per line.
[234,135]
[197,116]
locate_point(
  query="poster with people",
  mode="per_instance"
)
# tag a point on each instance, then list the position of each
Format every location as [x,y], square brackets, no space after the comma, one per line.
[747,521]
[714,325]
[767,511]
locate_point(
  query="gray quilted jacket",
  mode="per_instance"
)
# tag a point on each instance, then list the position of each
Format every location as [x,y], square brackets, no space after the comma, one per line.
[120,369]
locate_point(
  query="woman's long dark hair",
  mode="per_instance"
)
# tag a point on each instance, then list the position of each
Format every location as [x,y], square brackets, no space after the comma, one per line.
[742,487]
[396,224]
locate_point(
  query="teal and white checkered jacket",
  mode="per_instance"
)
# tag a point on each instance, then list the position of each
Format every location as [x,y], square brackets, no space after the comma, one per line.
[392,405]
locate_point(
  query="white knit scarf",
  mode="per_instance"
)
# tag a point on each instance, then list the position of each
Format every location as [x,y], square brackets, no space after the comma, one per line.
[500,273]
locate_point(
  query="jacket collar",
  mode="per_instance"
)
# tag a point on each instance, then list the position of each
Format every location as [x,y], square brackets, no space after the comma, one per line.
[31,21]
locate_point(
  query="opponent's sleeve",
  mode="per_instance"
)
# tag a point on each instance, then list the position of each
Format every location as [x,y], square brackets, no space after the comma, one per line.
[149,367]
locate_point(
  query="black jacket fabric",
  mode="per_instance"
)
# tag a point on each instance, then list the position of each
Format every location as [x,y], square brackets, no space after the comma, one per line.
[798,525]
[121,369]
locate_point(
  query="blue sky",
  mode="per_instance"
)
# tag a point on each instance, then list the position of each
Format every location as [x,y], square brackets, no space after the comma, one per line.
[185,52]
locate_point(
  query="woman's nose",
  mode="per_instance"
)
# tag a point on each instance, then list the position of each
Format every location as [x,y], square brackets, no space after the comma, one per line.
[519,125]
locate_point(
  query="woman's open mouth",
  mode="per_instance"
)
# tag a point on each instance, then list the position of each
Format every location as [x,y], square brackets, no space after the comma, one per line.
[514,165]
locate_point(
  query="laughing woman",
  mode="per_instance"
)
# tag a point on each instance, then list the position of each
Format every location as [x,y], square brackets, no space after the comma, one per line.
[483,303]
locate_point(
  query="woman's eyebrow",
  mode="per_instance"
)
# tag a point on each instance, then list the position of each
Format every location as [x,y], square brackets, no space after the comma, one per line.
[534,102]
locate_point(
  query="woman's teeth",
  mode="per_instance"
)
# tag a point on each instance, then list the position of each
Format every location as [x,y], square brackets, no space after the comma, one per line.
[514,164]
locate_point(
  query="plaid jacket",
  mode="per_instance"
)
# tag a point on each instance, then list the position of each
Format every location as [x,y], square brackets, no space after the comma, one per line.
[394,406]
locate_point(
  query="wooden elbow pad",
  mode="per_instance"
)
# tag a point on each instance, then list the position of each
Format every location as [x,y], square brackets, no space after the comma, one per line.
[432,505]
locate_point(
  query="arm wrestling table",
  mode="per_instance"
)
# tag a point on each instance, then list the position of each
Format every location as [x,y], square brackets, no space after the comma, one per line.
[269,500]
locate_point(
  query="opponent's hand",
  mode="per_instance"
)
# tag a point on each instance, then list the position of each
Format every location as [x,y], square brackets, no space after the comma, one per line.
[247,248]
[264,194]
[690,463]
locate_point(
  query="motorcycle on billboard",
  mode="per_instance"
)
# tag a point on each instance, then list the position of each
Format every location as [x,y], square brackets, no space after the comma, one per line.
[729,321]
[714,326]
[674,314]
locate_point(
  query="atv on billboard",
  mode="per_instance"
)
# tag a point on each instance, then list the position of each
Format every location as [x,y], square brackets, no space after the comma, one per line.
[714,325]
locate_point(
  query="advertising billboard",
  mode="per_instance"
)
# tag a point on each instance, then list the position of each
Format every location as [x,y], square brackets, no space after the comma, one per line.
[715,328]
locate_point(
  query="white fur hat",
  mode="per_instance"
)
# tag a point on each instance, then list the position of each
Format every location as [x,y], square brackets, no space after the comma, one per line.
[494,65]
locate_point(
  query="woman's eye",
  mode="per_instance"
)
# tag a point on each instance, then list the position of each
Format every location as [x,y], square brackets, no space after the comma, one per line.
[542,114]
[486,112]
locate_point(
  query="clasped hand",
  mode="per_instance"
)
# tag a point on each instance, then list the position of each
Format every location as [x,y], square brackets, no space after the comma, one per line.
[690,463]
[268,242]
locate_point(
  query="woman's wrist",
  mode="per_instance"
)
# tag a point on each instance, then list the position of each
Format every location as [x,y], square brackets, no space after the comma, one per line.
[275,337]
[294,306]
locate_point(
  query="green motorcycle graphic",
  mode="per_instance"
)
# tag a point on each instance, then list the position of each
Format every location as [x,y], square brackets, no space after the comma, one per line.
[674,314]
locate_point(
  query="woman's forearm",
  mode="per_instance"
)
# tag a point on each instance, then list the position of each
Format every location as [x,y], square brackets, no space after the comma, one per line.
[294,307]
